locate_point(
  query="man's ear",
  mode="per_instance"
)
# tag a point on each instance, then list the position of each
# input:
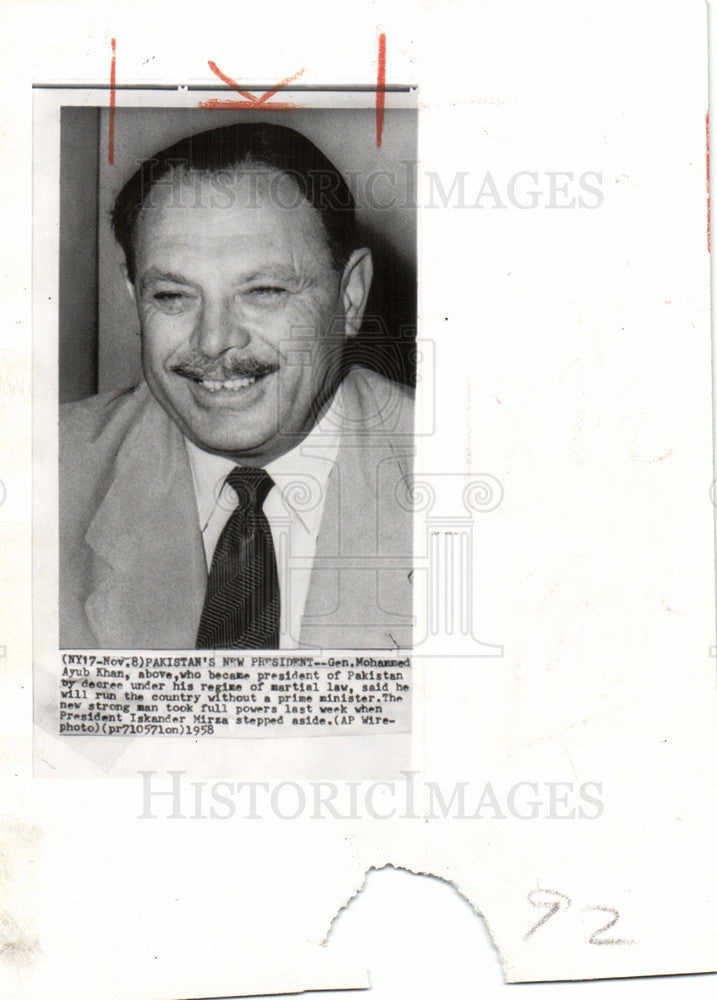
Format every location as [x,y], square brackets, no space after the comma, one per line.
[355,285]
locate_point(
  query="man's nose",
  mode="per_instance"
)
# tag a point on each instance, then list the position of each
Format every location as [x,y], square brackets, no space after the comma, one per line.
[219,327]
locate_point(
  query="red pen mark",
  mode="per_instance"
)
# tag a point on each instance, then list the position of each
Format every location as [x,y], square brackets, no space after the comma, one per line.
[709,230]
[380,87]
[113,97]
[250,100]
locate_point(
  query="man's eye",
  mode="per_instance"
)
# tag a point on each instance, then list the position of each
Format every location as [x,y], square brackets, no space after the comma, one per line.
[267,291]
[171,301]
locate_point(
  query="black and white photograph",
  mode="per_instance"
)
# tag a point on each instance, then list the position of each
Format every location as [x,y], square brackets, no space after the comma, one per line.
[236,368]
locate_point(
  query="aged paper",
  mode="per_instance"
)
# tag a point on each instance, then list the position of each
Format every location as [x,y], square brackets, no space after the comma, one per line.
[555,759]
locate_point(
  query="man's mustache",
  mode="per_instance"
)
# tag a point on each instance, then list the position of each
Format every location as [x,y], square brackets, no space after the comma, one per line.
[223,370]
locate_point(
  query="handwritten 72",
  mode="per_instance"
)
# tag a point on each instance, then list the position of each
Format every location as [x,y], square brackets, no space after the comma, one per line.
[558,901]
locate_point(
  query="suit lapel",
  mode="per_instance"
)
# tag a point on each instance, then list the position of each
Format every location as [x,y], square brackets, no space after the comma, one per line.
[360,594]
[150,569]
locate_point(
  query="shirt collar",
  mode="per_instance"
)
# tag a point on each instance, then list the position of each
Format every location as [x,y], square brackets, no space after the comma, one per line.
[300,475]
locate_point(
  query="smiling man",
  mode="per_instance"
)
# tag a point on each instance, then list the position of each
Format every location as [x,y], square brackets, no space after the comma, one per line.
[252,493]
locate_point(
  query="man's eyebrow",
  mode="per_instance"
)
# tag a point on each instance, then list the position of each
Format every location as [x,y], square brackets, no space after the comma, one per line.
[276,271]
[155,274]
[269,271]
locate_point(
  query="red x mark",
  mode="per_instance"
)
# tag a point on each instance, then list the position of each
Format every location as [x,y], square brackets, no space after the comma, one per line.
[250,100]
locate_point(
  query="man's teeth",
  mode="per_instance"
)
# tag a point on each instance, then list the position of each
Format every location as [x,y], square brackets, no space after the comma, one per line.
[234,384]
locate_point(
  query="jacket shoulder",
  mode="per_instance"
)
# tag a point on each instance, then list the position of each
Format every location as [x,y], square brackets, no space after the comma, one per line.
[104,416]
[91,432]
[386,405]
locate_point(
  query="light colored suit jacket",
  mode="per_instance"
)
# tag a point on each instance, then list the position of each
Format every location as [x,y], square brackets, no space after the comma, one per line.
[132,567]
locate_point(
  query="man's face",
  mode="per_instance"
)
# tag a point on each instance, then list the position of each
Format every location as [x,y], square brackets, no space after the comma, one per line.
[239,310]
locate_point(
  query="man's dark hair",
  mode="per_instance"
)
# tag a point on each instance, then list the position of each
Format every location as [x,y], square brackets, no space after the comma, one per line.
[238,146]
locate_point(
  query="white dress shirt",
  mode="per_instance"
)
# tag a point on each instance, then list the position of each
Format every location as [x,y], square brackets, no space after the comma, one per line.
[293,507]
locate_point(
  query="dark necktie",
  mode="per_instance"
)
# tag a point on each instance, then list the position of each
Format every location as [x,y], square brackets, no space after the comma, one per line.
[241,606]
